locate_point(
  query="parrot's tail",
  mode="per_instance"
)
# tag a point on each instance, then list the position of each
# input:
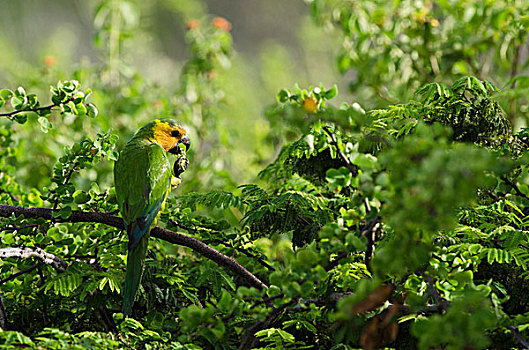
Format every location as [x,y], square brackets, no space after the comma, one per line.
[135,262]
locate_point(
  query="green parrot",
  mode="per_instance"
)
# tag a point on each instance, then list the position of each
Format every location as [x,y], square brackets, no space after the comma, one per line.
[143,177]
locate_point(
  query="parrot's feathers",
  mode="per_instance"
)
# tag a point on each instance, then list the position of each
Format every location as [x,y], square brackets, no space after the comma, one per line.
[137,229]
[142,176]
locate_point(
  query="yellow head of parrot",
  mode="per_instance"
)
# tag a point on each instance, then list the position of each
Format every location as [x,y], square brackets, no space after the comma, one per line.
[168,133]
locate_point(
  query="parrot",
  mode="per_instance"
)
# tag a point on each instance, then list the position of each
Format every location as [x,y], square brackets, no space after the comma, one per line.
[143,178]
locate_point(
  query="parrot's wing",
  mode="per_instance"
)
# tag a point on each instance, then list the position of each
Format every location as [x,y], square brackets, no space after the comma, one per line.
[144,178]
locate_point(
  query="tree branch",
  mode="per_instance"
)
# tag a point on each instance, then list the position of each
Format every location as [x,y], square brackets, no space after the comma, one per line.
[250,341]
[244,251]
[66,180]
[3,315]
[434,293]
[158,232]
[518,336]
[352,168]
[15,275]
[34,252]
[514,187]
[12,113]
[369,231]
[333,263]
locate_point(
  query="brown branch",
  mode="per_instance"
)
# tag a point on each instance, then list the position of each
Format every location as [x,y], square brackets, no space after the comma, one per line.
[352,168]
[158,232]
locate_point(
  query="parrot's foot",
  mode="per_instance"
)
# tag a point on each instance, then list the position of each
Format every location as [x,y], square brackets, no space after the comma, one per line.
[180,166]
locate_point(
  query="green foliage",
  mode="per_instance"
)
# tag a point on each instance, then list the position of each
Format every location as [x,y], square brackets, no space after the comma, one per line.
[408,217]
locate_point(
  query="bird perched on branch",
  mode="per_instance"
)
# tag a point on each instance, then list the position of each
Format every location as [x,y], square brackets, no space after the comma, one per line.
[143,178]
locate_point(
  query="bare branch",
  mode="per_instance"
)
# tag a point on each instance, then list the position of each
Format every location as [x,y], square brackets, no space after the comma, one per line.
[352,168]
[514,187]
[158,232]
[15,275]
[3,315]
[519,336]
[333,263]
[12,113]
[34,252]
[250,341]
[434,293]
[66,180]
[369,231]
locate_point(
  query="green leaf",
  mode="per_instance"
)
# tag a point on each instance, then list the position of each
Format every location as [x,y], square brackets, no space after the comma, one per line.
[80,197]
[81,109]
[91,110]
[72,107]
[20,118]
[45,124]
[6,94]
[17,102]
[64,213]
[331,92]
[8,238]
[20,91]
[283,95]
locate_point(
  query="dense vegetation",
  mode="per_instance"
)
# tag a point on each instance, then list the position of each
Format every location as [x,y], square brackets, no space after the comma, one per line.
[398,220]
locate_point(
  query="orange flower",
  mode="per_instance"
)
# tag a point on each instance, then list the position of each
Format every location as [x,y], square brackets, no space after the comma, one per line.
[49,60]
[192,24]
[310,104]
[221,23]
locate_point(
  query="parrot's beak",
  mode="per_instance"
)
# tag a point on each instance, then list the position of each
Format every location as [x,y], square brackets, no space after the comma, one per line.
[186,141]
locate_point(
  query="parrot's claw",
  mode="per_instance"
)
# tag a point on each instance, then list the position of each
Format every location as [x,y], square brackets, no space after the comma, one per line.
[180,166]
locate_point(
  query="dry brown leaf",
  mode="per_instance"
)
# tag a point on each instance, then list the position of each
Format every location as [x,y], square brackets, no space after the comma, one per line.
[374,299]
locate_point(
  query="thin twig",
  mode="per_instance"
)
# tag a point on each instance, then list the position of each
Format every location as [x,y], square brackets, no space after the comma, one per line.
[369,232]
[332,264]
[45,317]
[519,336]
[250,341]
[12,113]
[15,275]
[259,259]
[66,180]
[18,228]
[352,168]
[244,251]
[434,293]
[158,232]
[514,187]
[12,196]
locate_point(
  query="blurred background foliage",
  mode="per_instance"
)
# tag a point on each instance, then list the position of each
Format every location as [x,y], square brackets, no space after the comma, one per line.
[134,55]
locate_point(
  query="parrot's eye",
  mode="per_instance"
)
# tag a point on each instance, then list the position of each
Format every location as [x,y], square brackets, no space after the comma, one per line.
[175,133]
